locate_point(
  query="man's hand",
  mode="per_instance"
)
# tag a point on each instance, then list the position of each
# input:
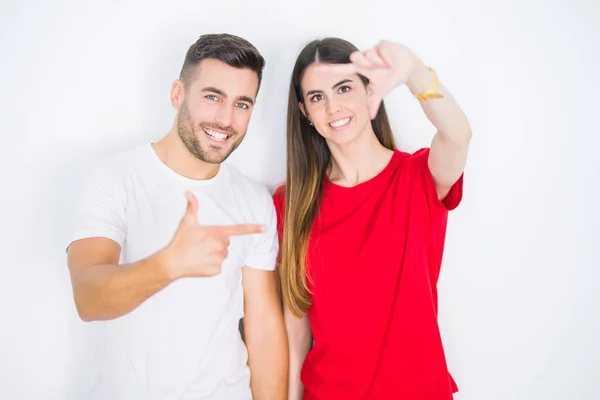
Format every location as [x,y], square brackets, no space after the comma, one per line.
[197,250]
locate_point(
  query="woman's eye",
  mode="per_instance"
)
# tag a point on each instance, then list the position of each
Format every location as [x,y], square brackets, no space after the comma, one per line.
[344,89]
[316,97]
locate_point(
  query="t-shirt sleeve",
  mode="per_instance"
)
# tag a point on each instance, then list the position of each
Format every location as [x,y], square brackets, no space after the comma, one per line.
[265,246]
[99,210]
[421,163]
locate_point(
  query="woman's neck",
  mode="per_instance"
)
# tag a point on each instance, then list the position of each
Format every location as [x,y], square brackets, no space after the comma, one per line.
[359,161]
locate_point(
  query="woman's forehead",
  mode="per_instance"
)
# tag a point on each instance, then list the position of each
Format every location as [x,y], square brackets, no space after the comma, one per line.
[322,76]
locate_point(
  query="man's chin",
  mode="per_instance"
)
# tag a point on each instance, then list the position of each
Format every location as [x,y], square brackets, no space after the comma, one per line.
[215,157]
[214,160]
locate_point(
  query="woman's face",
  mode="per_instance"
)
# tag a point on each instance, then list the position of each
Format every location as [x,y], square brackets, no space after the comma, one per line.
[336,103]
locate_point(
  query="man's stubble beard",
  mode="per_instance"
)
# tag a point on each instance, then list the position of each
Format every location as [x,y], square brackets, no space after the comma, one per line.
[189,137]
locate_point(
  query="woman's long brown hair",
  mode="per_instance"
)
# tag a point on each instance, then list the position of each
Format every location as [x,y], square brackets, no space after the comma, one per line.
[308,158]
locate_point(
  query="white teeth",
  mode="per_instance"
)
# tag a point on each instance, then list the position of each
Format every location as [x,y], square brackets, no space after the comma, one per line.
[338,123]
[216,135]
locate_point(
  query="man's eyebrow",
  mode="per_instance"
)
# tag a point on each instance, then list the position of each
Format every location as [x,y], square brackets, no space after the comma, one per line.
[213,89]
[246,98]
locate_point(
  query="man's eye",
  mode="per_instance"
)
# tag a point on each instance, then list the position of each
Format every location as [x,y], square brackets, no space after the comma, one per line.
[212,97]
[242,105]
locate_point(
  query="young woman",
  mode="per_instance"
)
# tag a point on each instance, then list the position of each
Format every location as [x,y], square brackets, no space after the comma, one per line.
[362,226]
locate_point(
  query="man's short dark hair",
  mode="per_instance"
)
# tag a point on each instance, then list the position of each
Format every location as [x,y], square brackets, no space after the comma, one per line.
[227,48]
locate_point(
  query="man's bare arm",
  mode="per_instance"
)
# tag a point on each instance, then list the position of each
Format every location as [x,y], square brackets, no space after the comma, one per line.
[105,290]
[102,288]
[265,335]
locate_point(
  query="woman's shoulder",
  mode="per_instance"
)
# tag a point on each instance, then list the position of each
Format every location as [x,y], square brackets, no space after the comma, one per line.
[279,192]
[411,155]
[408,160]
[279,198]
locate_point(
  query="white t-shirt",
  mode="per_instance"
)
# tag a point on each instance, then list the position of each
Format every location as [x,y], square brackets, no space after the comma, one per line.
[183,342]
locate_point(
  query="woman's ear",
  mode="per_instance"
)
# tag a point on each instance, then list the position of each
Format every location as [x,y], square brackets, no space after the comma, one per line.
[369,89]
[301,106]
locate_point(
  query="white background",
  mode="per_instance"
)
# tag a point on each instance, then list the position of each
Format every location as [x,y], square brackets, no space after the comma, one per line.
[519,291]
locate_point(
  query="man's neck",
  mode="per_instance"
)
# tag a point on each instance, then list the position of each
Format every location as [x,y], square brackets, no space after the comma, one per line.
[358,161]
[174,154]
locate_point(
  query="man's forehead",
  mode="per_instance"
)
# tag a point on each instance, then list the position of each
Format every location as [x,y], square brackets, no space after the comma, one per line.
[233,81]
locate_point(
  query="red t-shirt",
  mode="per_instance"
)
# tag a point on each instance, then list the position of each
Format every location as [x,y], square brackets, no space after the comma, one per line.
[374,255]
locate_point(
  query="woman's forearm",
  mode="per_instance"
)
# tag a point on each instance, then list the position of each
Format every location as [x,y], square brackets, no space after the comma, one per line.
[300,342]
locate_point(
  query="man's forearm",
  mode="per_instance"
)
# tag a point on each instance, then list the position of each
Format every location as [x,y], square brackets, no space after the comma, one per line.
[104,292]
[269,364]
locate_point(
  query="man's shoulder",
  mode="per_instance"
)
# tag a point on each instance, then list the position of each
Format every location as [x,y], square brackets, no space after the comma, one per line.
[250,188]
[120,164]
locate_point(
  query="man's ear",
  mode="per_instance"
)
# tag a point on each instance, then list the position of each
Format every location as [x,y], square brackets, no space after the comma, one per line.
[177,94]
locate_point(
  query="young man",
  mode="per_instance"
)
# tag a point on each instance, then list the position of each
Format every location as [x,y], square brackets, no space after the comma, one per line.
[172,248]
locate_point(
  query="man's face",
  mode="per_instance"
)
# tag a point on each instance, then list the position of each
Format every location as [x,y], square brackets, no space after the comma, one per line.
[216,108]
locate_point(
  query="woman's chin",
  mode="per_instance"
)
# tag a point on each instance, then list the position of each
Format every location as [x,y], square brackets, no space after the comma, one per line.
[345,138]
